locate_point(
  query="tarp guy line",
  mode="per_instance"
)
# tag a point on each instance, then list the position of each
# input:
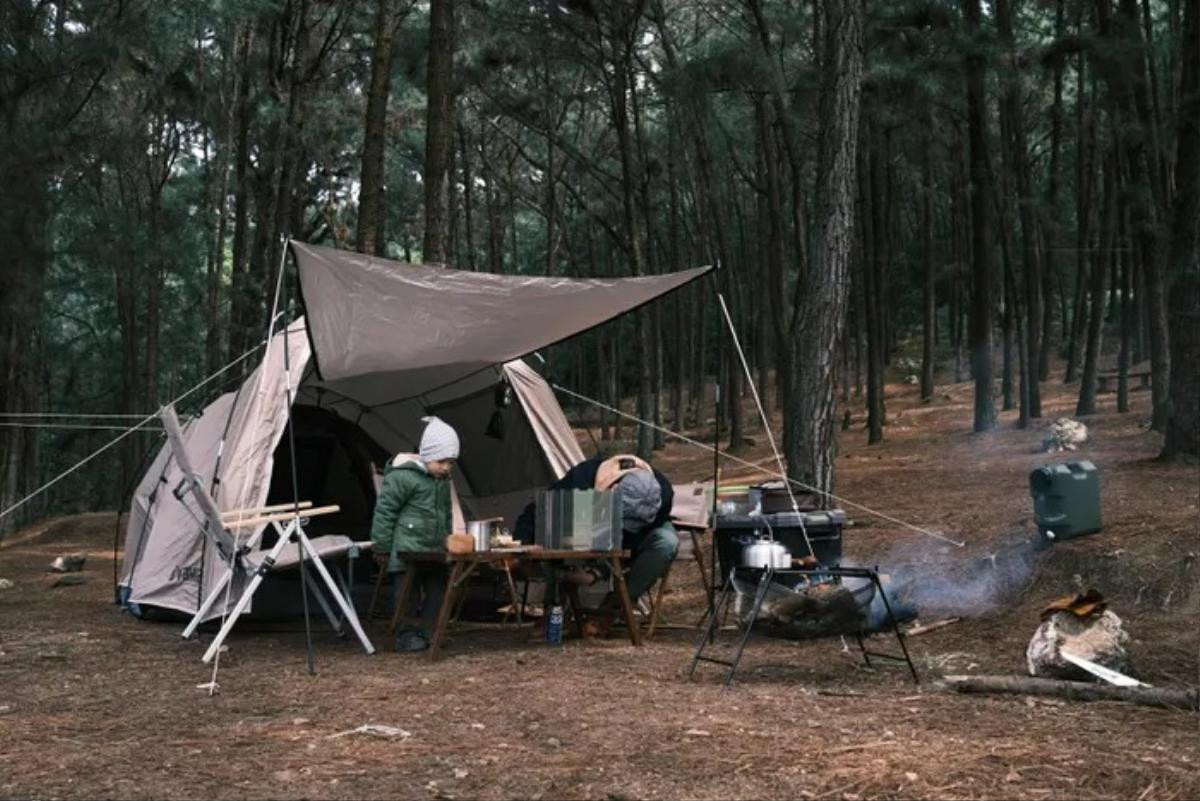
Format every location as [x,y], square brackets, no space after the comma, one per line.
[103,448]
[766,426]
[745,463]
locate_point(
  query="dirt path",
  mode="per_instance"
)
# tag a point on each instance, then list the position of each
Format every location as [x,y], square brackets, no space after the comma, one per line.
[95,704]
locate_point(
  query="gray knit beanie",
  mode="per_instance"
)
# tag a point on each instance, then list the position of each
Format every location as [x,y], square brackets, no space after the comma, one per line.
[641,498]
[438,442]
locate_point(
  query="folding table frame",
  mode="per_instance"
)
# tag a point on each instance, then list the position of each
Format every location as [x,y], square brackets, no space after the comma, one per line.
[462,566]
[712,620]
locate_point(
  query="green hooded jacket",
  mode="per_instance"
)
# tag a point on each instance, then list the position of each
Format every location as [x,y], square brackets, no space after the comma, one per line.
[412,512]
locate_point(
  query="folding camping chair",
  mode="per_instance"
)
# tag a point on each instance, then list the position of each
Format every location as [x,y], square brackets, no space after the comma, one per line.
[293,548]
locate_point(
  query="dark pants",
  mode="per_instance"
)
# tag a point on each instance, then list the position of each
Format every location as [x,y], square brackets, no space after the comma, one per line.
[653,552]
[425,599]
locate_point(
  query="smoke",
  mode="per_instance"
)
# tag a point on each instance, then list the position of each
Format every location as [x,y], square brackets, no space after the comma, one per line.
[942,581]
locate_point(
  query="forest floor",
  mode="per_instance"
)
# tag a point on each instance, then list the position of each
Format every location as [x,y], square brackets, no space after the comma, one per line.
[95,704]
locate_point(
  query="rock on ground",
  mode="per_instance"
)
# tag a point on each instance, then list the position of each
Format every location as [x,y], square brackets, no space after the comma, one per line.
[70,563]
[1099,638]
[1064,434]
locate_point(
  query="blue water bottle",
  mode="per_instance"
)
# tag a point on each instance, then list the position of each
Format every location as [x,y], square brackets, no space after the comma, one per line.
[554,627]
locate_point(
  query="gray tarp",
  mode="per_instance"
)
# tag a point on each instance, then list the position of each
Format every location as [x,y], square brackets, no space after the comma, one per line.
[384,330]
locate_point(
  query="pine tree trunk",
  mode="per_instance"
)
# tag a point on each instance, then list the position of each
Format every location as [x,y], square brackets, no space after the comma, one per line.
[1007,394]
[1087,385]
[468,179]
[868,237]
[1126,319]
[699,361]
[1182,435]
[439,130]
[1051,226]
[858,279]
[1026,209]
[232,74]
[1126,78]
[239,264]
[25,240]
[370,196]
[679,301]
[495,229]
[812,419]
[929,299]
[981,245]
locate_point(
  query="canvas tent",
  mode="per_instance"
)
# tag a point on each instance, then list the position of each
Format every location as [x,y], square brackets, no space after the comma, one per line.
[381,345]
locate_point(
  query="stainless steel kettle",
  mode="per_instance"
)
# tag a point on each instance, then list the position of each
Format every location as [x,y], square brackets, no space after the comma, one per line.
[765,553]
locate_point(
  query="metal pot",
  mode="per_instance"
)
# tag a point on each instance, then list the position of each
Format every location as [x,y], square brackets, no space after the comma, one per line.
[766,553]
[481,532]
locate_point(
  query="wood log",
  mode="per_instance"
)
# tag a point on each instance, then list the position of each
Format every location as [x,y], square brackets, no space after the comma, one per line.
[934,626]
[1075,690]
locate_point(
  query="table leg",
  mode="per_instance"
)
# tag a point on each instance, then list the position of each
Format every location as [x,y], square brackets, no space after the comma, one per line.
[635,635]
[443,617]
[379,580]
[576,608]
[402,596]
[459,573]
[512,592]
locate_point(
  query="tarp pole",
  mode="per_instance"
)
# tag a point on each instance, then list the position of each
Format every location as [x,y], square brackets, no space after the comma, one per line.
[287,382]
[712,556]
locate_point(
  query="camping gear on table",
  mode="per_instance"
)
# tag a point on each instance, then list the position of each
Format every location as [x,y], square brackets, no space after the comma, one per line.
[578,520]
[460,543]
[823,528]
[771,497]
[481,532]
[1066,499]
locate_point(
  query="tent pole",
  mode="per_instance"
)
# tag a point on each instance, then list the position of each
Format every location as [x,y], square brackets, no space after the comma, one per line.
[712,556]
[287,381]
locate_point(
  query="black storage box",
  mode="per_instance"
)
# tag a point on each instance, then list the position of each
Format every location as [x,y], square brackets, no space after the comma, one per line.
[824,530]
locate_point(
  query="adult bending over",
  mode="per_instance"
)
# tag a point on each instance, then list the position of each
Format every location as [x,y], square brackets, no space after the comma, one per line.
[646,498]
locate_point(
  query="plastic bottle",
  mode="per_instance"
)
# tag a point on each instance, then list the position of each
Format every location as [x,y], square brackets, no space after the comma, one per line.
[554,626]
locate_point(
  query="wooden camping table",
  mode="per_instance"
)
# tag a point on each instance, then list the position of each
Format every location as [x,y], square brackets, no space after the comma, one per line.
[462,566]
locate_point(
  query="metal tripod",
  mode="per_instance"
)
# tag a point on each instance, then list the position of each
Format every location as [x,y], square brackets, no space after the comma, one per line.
[711,623]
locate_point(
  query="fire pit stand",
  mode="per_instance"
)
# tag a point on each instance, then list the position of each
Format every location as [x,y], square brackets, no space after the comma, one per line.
[711,623]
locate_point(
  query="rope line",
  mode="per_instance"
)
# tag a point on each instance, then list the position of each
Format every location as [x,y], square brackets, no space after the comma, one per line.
[80,415]
[146,420]
[766,425]
[761,466]
[70,426]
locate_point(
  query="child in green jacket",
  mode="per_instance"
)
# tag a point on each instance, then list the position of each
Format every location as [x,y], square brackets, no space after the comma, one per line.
[413,513]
